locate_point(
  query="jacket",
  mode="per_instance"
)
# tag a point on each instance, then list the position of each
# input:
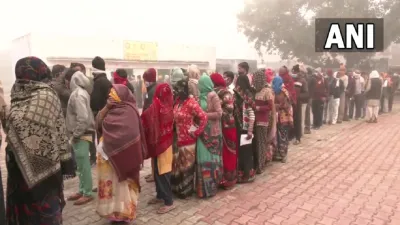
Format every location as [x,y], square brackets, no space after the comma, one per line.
[63,92]
[336,90]
[318,89]
[374,89]
[301,87]
[101,89]
[79,119]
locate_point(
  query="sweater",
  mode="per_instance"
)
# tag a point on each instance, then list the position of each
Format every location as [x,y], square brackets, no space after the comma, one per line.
[101,90]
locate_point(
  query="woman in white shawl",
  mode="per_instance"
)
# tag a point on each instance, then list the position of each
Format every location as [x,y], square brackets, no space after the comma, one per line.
[194,76]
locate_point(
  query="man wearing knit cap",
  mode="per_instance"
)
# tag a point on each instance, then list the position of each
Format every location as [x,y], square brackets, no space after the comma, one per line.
[150,79]
[101,85]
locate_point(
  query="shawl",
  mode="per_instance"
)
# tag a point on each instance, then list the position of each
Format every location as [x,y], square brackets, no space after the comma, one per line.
[218,80]
[158,121]
[123,136]
[2,101]
[37,134]
[177,75]
[259,80]
[194,72]
[289,84]
[243,95]
[205,87]
[119,80]
[269,74]
[277,83]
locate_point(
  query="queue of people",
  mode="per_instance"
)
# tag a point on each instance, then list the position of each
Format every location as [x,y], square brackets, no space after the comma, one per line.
[202,132]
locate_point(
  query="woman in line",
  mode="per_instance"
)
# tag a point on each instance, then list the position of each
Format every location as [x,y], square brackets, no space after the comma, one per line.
[158,121]
[373,93]
[269,73]
[194,76]
[209,145]
[244,118]
[230,145]
[121,153]
[265,111]
[285,118]
[190,122]
[38,156]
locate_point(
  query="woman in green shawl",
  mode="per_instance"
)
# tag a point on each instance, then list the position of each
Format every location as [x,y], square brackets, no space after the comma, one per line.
[209,145]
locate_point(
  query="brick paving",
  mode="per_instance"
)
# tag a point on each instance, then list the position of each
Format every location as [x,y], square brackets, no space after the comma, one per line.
[342,174]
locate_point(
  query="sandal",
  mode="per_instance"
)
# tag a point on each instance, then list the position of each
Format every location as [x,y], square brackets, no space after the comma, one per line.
[296,142]
[148,176]
[83,200]
[155,201]
[165,209]
[149,179]
[74,197]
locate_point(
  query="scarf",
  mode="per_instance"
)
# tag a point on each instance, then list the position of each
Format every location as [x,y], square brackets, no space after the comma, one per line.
[218,80]
[193,72]
[259,80]
[289,84]
[177,75]
[205,87]
[123,136]
[277,84]
[158,121]
[269,74]
[119,80]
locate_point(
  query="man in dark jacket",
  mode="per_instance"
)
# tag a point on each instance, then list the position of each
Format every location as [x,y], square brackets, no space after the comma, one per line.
[328,79]
[318,94]
[307,119]
[101,85]
[301,87]
[60,86]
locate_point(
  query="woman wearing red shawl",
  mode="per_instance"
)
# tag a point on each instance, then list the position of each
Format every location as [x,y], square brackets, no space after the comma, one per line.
[158,121]
[121,150]
[289,83]
[230,145]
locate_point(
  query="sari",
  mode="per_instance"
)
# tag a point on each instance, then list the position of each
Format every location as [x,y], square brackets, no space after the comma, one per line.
[38,154]
[285,119]
[229,135]
[209,145]
[124,146]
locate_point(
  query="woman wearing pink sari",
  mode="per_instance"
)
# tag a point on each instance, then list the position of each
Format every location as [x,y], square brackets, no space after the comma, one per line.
[121,150]
[230,145]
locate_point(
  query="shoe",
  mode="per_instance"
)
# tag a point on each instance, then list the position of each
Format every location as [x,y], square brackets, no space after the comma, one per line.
[296,142]
[284,159]
[83,200]
[94,190]
[307,131]
[339,122]
[74,197]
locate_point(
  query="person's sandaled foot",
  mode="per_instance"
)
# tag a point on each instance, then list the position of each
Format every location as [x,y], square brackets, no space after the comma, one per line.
[284,159]
[296,142]
[155,201]
[74,197]
[148,176]
[165,209]
[149,179]
[83,200]
[95,190]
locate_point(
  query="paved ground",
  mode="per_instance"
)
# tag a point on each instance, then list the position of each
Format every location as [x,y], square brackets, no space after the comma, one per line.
[343,174]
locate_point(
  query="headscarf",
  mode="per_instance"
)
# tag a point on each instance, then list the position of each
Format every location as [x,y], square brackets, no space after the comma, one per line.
[123,135]
[218,80]
[35,126]
[150,75]
[277,84]
[193,72]
[374,74]
[259,80]
[182,87]
[269,74]
[289,85]
[32,69]
[120,78]
[177,75]
[158,121]
[205,86]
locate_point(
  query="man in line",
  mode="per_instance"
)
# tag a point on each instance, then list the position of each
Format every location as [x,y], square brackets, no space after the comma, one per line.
[302,94]
[357,100]
[80,126]
[342,105]
[59,85]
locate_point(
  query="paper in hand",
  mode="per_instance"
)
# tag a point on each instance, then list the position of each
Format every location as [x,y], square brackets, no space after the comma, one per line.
[192,128]
[244,141]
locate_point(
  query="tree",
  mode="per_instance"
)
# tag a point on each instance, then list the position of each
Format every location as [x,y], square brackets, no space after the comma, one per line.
[288,27]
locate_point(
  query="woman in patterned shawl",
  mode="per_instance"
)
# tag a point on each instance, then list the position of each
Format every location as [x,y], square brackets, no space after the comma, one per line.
[230,145]
[265,111]
[244,118]
[38,155]
[285,118]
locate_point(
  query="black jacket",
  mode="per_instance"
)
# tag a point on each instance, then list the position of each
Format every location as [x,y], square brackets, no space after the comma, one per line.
[301,87]
[131,88]
[336,91]
[101,89]
[375,92]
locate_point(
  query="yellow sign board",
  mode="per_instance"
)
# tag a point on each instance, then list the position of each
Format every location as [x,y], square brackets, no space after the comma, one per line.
[139,50]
